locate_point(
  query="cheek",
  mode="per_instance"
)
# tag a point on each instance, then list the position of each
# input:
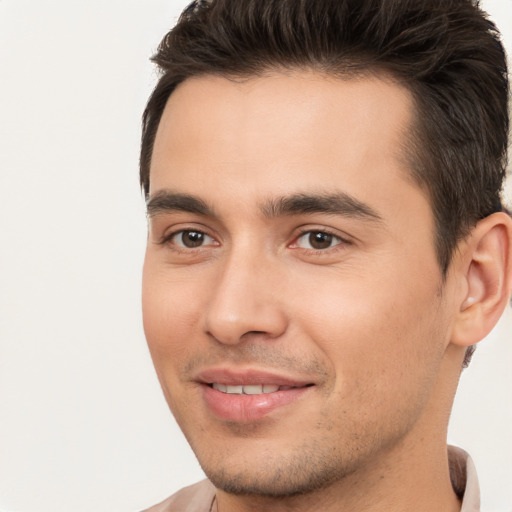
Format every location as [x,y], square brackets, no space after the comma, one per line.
[170,310]
[170,314]
[377,332]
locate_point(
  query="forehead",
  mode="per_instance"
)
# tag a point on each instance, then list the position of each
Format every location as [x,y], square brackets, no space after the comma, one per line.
[280,132]
[230,118]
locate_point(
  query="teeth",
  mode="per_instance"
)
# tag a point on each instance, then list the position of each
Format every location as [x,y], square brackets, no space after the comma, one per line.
[249,389]
[253,390]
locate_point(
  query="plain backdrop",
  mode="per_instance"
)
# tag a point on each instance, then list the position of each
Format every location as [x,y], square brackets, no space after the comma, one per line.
[83,424]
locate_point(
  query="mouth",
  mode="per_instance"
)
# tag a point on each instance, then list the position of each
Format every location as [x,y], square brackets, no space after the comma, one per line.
[251,389]
[248,396]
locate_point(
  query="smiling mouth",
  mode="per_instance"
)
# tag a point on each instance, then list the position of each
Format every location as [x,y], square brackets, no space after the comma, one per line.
[252,389]
[244,398]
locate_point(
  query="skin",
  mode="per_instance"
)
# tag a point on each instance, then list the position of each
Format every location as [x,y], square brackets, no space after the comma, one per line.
[368,319]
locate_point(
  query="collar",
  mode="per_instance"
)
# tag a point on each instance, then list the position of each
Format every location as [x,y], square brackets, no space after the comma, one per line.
[464,479]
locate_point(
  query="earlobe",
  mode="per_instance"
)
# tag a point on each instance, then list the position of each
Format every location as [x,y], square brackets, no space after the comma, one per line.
[488,279]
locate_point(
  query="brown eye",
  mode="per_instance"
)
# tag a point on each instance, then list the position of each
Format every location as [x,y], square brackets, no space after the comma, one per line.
[191,239]
[317,240]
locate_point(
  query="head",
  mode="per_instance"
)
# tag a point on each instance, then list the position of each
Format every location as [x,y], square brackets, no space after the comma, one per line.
[259,103]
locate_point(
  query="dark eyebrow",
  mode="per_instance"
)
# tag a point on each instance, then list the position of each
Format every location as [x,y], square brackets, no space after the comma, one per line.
[165,201]
[339,203]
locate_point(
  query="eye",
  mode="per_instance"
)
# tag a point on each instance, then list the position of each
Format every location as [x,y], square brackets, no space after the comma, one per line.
[190,239]
[317,240]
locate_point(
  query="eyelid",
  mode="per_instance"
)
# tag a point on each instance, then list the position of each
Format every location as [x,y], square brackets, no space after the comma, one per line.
[172,231]
[175,238]
[344,239]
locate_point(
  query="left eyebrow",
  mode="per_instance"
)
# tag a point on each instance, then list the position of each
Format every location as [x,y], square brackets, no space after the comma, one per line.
[339,203]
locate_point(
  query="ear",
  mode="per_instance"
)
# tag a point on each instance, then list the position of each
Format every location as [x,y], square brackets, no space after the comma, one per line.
[486,265]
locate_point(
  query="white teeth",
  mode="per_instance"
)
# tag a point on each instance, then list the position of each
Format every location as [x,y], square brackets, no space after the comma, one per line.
[253,390]
[250,389]
[234,390]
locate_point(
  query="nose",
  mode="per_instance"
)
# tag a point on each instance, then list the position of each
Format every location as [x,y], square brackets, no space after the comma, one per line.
[246,300]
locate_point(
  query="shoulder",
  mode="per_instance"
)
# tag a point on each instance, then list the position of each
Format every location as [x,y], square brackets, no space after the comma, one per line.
[194,498]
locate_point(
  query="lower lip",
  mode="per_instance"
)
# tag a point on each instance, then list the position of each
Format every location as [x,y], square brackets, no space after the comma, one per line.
[247,408]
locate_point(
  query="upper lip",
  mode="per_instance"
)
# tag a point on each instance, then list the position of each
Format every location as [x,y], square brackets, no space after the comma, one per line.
[241,377]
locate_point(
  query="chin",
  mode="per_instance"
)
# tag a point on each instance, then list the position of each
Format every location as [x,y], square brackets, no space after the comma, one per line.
[284,486]
[277,477]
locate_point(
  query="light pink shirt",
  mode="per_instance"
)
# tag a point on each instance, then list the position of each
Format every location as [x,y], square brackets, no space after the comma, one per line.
[200,497]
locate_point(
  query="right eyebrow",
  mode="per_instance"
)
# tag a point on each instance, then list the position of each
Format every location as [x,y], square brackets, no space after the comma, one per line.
[165,201]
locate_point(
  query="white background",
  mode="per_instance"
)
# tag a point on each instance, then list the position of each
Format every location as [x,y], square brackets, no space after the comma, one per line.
[83,425]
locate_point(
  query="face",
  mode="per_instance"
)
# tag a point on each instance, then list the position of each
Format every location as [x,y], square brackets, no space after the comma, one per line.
[292,299]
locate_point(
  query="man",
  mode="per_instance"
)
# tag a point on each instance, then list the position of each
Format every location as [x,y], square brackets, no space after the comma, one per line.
[326,245]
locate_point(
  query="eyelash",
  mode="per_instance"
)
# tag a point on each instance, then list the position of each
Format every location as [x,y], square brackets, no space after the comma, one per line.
[323,231]
[167,239]
[340,241]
